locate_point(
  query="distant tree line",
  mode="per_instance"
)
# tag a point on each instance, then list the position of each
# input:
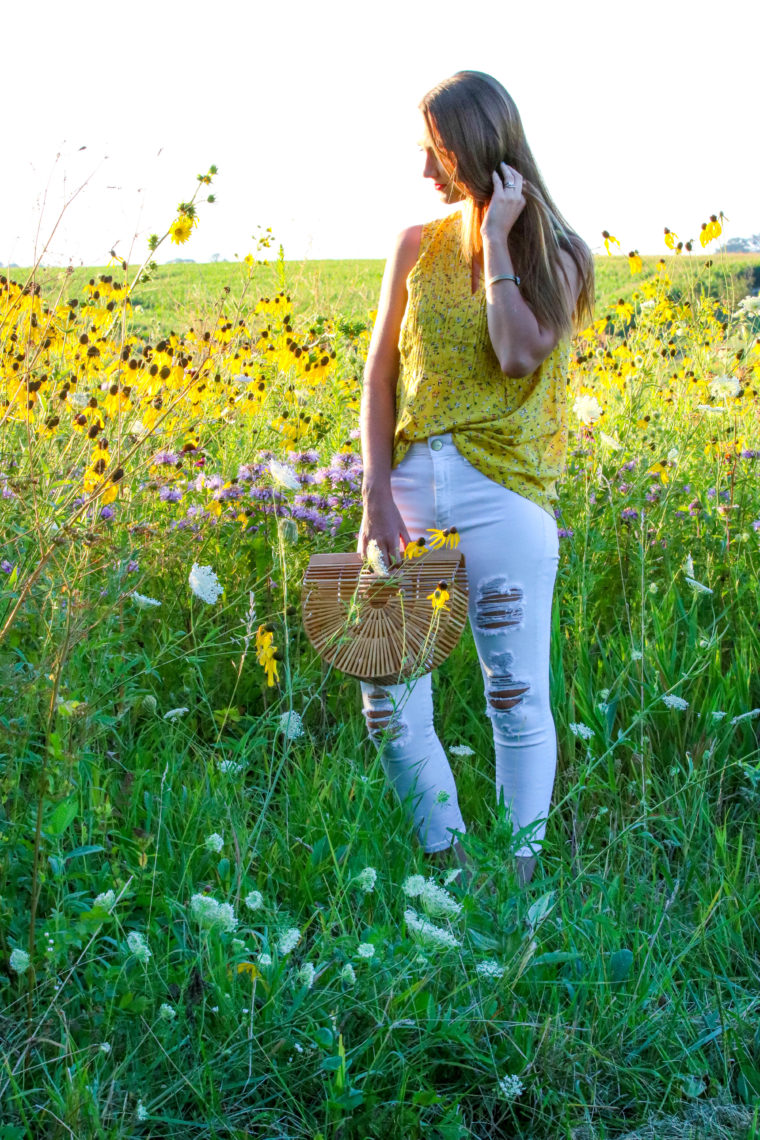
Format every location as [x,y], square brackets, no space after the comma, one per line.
[741,245]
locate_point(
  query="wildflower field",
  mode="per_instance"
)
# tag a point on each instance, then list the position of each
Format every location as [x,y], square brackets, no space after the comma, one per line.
[214,918]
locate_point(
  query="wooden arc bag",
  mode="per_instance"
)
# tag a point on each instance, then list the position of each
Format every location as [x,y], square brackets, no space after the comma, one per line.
[384,627]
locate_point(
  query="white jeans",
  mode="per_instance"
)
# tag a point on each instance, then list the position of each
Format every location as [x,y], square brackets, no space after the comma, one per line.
[511,552]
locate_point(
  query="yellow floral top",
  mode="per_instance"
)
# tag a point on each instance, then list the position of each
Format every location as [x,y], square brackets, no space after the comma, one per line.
[450,379]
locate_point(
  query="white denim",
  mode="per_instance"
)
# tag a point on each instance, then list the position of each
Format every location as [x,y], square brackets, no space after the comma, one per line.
[511,553]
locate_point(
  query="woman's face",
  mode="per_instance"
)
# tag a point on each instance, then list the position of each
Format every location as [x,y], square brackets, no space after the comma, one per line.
[445,187]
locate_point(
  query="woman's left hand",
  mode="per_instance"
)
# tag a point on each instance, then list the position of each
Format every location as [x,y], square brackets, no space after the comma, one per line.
[507,202]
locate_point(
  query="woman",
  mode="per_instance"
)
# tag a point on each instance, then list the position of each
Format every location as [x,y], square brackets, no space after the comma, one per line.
[463,425]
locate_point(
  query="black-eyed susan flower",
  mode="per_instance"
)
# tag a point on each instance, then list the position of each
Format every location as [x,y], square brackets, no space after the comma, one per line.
[439,597]
[711,229]
[634,261]
[266,653]
[609,240]
[670,238]
[442,538]
[413,549]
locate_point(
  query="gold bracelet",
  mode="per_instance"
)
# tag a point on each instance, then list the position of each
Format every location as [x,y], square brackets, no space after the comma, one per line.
[503,277]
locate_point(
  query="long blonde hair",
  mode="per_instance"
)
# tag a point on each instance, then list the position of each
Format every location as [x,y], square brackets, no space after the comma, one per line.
[474,125]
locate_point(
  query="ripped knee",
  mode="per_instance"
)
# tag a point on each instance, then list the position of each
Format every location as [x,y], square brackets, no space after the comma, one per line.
[383,722]
[504,691]
[498,605]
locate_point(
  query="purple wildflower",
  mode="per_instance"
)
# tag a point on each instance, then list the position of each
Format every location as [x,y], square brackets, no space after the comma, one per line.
[6,566]
[303,456]
[170,495]
[629,513]
[267,493]
[171,458]
[565,532]
[249,472]
[107,513]
[231,492]
[132,566]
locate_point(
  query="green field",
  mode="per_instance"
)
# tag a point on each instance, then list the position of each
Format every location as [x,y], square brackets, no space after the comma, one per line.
[178,295]
[205,880]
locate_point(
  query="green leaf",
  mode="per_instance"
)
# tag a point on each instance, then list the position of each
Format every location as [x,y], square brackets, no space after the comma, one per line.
[426,1097]
[351,1099]
[692,1086]
[62,816]
[89,849]
[556,956]
[748,1083]
[610,715]
[620,964]
[540,908]
[331,1064]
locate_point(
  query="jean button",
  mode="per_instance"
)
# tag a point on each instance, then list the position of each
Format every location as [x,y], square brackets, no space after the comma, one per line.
[437,444]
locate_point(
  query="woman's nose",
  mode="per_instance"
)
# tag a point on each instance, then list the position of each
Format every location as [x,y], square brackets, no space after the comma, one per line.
[431,167]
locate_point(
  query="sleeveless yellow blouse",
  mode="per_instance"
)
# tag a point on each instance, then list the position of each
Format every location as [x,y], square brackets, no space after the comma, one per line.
[450,379]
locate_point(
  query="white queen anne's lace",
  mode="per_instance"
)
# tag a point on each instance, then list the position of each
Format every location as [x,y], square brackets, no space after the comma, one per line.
[283,475]
[205,584]
[674,702]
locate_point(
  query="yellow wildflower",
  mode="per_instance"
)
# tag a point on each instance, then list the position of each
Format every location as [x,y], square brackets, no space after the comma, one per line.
[440,597]
[634,261]
[249,968]
[266,653]
[711,229]
[608,240]
[661,470]
[670,238]
[448,537]
[181,228]
[412,549]
[624,309]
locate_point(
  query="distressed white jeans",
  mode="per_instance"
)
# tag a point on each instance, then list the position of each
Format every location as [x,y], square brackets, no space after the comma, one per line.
[511,553]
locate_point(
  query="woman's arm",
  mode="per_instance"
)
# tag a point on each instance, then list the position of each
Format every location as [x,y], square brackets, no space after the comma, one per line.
[377,416]
[520,343]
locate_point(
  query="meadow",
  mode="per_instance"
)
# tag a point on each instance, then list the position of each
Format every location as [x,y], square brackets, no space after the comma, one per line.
[215,919]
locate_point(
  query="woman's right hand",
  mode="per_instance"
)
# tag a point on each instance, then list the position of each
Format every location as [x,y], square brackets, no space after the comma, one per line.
[382,521]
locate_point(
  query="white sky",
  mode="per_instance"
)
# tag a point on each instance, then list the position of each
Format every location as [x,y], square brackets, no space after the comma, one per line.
[639,115]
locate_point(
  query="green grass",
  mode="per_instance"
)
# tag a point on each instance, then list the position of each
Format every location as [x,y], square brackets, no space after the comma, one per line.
[623,984]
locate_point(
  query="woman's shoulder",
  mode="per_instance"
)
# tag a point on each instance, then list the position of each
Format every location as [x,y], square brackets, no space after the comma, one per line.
[414,241]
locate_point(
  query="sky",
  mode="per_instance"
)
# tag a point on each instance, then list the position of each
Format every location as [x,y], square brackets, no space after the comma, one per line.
[639,117]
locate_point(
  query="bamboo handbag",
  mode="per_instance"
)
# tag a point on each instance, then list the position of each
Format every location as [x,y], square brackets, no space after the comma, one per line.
[384,628]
